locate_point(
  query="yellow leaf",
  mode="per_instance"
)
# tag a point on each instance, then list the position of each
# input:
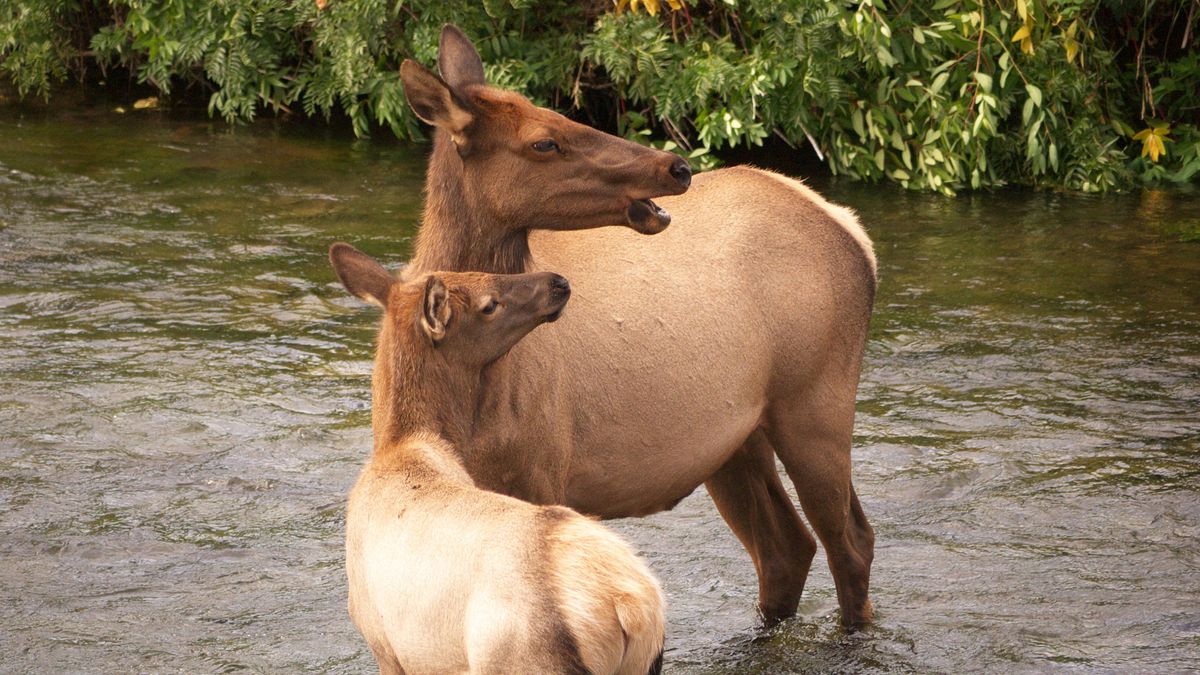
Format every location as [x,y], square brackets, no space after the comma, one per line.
[1156,148]
[1152,142]
[651,6]
[321,4]
[1024,34]
[1072,49]
[143,103]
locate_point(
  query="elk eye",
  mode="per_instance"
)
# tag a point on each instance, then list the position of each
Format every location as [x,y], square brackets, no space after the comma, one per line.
[546,145]
[490,308]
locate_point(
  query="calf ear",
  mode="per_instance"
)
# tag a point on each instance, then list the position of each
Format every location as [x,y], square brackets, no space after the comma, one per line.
[435,309]
[433,101]
[360,274]
[458,62]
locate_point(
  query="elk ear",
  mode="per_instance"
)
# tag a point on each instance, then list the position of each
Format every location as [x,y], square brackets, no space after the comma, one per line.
[433,101]
[458,62]
[360,274]
[435,309]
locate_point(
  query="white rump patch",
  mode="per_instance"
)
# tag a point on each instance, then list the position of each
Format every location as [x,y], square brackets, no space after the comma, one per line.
[844,216]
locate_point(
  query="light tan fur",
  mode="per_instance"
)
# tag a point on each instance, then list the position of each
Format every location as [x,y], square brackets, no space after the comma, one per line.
[842,215]
[446,577]
[606,604]
[695,356]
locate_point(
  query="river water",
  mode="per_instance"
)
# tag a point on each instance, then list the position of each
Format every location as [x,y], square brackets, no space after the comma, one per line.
[184,404]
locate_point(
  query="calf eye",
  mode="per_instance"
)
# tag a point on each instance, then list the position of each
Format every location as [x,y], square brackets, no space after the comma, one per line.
[546,145]
[490,307]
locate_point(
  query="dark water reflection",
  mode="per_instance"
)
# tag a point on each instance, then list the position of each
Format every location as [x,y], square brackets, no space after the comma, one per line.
[184,404]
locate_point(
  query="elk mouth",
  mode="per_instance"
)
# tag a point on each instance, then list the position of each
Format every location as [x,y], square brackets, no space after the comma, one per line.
[556,312]
[559,295]
[647,217]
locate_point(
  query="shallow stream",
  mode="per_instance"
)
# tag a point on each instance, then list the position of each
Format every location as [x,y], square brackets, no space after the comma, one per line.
[184,403]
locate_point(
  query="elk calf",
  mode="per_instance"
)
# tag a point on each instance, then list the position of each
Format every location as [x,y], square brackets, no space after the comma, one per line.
[444,576]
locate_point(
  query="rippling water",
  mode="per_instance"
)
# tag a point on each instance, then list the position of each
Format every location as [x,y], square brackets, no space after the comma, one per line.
[184,404]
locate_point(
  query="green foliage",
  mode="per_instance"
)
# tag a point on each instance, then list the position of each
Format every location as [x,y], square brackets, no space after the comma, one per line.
[33,44]
[933,94]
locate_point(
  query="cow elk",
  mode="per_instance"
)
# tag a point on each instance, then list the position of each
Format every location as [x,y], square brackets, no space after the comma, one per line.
[695,356]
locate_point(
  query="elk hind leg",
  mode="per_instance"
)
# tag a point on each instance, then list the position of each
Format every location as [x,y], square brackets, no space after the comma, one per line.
[813,442]
[752,500]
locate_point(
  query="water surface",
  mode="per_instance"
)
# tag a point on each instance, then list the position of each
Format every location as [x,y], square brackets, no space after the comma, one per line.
[184,403]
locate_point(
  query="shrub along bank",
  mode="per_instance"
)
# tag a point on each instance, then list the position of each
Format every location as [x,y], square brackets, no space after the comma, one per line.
[934,94]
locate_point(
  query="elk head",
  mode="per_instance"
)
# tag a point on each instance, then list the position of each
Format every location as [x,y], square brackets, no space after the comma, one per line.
[519,166]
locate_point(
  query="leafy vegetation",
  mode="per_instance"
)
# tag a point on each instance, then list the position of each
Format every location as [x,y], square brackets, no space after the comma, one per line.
[934,94]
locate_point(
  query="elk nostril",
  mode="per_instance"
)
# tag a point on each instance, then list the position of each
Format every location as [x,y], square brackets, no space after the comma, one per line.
[559,287]
[681,172]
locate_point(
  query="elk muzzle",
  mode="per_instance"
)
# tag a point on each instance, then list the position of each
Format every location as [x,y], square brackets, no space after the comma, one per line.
[560,292]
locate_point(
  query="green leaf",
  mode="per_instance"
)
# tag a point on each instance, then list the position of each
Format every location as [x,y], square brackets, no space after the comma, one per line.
[938,83]
[1035,94]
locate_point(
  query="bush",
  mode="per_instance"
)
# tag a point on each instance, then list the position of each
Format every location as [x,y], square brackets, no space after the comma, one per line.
[934,94]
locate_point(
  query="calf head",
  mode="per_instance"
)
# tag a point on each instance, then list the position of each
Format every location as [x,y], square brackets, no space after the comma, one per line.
[466,319]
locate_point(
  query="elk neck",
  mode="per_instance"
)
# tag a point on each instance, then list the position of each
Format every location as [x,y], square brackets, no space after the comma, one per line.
[458,232]
[416,391]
